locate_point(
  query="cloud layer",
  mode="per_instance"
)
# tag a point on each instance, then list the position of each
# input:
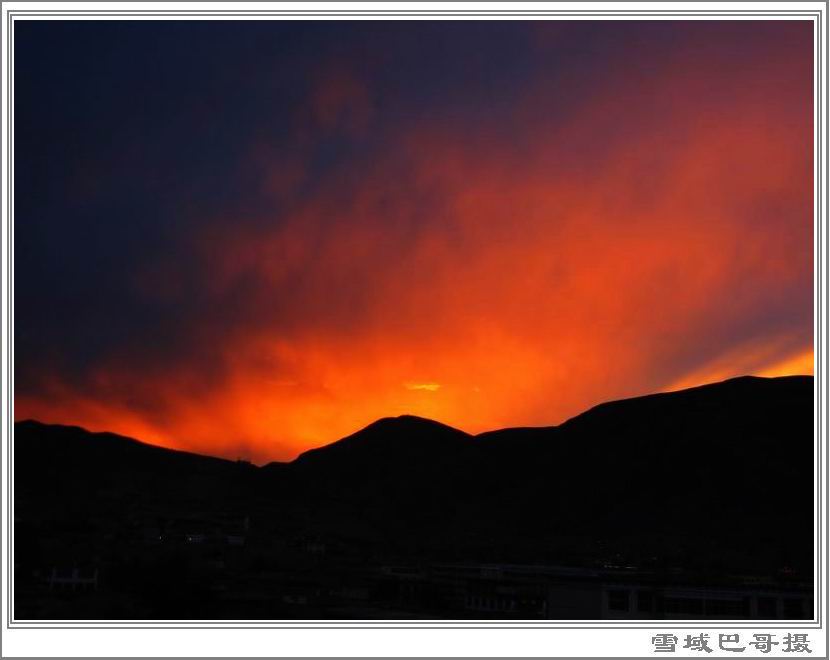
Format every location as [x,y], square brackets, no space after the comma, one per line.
[488,225]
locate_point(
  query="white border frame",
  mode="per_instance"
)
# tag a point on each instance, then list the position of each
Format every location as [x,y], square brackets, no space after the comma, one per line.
[367,638]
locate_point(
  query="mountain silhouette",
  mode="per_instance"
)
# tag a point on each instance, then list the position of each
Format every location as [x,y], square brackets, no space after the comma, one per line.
[717,479]
[391,439]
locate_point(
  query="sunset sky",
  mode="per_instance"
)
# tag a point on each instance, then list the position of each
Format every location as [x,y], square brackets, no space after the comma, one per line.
[247,239]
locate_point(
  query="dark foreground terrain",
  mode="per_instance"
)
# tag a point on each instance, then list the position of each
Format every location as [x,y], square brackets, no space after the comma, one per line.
[693,504]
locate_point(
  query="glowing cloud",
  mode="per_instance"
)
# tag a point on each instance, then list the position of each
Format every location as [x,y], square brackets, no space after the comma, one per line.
[538,233]
[426,387]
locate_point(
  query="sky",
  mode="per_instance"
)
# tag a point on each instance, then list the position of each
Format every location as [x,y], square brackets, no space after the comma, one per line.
[247,239]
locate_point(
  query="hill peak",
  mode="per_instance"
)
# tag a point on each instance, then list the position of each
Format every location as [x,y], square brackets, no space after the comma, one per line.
[396,434]
[412,422]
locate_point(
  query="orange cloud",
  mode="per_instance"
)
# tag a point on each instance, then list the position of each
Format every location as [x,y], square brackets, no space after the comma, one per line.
[658,238]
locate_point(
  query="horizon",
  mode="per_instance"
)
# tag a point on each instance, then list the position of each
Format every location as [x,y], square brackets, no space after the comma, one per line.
[494,225]
[400,416]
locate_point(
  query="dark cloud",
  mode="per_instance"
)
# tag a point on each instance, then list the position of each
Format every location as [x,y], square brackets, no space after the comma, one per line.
[240,236]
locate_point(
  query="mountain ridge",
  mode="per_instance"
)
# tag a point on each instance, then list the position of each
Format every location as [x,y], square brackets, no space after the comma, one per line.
[715,480]
[410,422]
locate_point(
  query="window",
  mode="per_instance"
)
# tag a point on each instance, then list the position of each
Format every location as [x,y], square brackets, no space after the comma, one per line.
[793,608]
[767,608]
[644,601]
[684,605]
[724,608]
[618,600]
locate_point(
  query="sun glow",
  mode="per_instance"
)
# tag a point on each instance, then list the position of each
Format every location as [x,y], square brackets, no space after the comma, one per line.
[510,249]
[426,387]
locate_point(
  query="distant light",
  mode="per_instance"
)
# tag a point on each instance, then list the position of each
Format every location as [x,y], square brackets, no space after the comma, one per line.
[427,387]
